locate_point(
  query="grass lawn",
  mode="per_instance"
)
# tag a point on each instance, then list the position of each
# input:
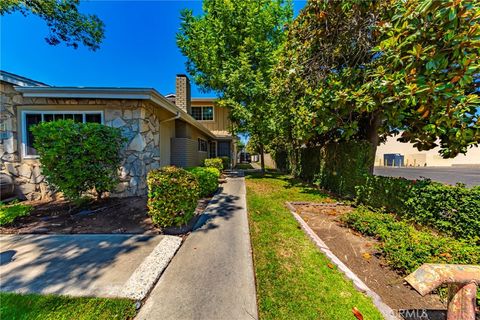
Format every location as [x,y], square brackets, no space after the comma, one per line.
[49,307]
[244,166]
[294,279]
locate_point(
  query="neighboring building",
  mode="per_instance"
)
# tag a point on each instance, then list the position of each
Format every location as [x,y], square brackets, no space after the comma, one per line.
[159,132]
[431,158]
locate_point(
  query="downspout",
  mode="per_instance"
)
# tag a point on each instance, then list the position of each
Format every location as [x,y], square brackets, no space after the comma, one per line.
[177,116]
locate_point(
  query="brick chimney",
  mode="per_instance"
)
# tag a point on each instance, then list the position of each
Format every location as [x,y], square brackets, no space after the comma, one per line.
[183,97]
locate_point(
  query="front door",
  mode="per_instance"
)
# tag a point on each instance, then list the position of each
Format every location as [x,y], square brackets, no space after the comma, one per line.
[224,149]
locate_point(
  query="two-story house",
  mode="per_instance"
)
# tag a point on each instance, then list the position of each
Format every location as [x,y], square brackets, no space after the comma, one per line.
[210,115]
[173,130]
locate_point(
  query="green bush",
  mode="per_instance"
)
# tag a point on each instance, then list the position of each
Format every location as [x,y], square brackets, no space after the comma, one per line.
[207,178]
[337,167]
[172,196]
[8,213]
[226,161]
[79,157]
[343,169]
[452,210]
[406,248]
[214,163]
[386,193]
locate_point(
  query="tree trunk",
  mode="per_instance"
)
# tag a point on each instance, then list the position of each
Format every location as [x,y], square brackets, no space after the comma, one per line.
[262,159]
[373,137]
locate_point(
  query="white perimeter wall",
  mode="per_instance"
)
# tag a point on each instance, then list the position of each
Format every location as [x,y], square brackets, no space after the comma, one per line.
[431,157]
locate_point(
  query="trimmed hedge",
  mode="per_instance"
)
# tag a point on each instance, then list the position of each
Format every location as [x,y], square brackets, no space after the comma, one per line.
[337,167]
[343,169]
[79,157]
[453,210]
[207,178]
[406,248]
[213,163]
[172,196]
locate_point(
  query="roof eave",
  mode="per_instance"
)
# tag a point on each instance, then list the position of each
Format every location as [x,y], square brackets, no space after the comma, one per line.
[112,93]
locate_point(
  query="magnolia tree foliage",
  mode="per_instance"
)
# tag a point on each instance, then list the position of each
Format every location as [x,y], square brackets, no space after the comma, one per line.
[65,22]
[231,50]
[368,69]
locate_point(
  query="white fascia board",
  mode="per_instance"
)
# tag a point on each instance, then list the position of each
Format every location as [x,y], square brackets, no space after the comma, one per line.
[84,93]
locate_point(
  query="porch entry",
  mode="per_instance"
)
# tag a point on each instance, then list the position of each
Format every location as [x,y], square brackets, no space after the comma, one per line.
[224,149]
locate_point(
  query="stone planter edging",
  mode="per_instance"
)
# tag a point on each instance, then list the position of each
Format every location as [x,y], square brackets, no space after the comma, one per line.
[384,309]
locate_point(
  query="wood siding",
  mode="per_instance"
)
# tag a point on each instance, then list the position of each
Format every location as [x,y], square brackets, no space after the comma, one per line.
[184,145]
[220,123]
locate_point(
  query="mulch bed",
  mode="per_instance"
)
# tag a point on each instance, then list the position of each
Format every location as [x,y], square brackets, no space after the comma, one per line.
[109,215]
[359,254]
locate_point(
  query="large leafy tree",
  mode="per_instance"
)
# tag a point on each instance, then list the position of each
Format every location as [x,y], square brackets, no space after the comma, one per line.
[231,50]
[65,22]
[354,69]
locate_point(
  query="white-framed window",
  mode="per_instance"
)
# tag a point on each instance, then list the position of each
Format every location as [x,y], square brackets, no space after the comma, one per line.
[33,117]
[203,113]
[202,145]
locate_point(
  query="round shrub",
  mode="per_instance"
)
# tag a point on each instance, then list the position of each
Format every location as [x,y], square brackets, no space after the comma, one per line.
[79,157]
[207,179]
[225,162]
[172,196]
[214,163]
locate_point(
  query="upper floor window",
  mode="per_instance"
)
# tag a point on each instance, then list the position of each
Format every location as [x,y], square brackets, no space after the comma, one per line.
[202,113]
[31,118]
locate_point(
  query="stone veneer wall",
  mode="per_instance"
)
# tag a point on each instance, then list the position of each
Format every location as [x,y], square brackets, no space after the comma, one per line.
[141,126]
[137,120]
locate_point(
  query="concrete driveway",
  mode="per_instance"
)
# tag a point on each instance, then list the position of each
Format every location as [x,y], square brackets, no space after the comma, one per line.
[84,265]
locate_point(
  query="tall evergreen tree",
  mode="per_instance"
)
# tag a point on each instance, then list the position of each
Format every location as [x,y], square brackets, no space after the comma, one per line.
[231,50]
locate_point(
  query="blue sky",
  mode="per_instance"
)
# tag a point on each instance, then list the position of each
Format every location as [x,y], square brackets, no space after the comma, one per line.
[139,49]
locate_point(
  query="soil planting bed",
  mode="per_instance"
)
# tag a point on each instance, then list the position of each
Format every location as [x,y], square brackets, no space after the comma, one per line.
[110,215]
[359,254]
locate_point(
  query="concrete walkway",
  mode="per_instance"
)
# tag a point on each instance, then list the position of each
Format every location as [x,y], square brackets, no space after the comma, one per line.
[104,265]
[211,277]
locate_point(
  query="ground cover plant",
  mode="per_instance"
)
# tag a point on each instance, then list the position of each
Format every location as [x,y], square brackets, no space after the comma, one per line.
[207,178]
[9,212]
[343,169]
[405,248]
[77,157]
[294,279]
[172,196]
[50,307]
